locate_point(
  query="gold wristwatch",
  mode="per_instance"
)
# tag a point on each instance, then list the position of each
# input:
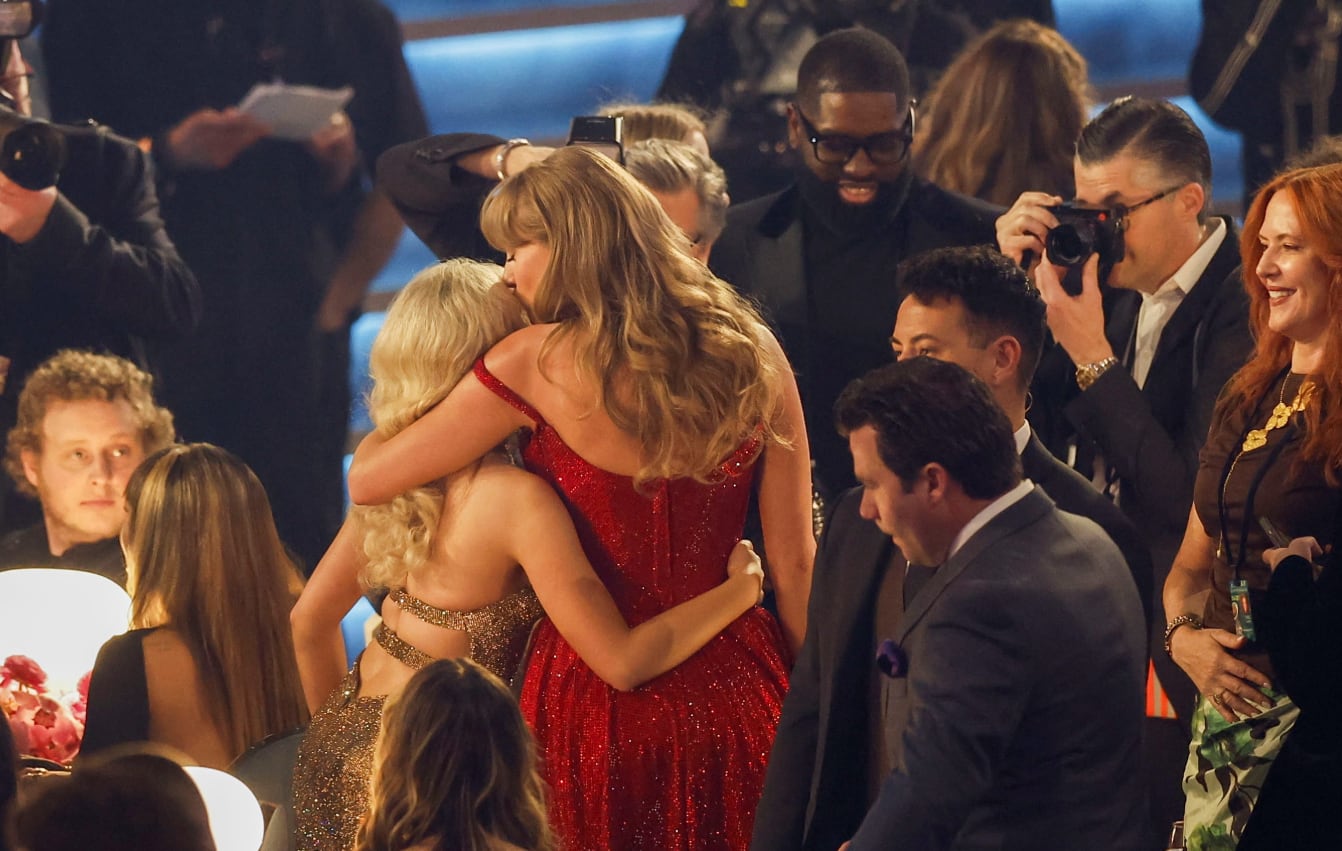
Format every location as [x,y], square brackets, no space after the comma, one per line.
[1086,373]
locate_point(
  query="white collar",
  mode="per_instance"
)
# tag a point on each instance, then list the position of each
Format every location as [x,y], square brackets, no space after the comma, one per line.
[1022,436]
[991,510]
[1187,275]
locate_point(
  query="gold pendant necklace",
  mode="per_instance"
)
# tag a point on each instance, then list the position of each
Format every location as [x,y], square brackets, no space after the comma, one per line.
[1280,416]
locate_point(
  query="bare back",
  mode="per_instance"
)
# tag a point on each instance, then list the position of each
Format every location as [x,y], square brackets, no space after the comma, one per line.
[569,401]
[469,567]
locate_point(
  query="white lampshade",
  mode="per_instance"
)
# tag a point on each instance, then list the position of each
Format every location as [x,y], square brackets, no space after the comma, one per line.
[59,618]
[236,822]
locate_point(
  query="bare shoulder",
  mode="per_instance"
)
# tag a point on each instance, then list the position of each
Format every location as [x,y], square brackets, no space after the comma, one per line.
[516,354]
[499,482]
[773,350]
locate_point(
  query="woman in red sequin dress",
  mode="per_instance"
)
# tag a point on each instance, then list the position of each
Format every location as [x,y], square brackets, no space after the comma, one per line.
[657,400]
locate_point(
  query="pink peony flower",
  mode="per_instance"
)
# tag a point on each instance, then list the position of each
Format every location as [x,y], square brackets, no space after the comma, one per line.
[45,724]
[23,670]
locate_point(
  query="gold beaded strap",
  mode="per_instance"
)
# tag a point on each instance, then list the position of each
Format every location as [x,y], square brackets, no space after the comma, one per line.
[523,599]
[398,649]
[497,632]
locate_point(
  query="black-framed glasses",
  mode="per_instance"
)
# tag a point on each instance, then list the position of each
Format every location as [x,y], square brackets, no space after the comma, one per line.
[838,149]
[1121,211]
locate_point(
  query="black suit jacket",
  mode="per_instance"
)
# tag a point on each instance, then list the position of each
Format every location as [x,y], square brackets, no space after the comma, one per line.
[1151,435]
[438,200]
[833,323]
[815,789]
[1073,493]
[1047,688]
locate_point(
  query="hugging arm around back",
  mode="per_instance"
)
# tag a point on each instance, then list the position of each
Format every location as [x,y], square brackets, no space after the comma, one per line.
[463,427]
[540,536]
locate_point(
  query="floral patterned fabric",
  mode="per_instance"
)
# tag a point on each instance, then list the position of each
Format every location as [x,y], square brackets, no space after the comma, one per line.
[1227,764]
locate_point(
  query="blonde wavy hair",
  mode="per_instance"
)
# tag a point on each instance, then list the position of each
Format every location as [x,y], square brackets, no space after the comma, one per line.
[1005,116]
[203,558]
[439,324]
[455,767]
[677,356]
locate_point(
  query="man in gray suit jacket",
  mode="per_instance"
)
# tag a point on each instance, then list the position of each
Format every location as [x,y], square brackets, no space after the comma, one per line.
[1004,704]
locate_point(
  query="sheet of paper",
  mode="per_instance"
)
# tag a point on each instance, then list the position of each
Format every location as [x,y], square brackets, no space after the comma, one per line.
[294,112]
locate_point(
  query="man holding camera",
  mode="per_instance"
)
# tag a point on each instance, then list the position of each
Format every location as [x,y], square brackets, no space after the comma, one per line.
[86,262]
[1147,375]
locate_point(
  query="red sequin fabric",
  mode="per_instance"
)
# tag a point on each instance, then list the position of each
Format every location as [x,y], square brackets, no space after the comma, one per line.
[677,764]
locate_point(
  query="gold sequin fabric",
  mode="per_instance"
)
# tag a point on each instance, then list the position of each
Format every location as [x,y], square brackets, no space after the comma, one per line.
[335,763]
[335,760]
[497,632]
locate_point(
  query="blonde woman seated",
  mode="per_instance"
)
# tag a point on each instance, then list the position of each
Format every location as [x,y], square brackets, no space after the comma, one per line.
[209,667]
[462,558]
[456,769]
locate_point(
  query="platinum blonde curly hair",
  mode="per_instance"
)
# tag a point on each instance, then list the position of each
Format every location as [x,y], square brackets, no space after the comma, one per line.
[440,323]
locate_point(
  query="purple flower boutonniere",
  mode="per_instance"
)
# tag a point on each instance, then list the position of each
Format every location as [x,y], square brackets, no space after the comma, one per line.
[891,659]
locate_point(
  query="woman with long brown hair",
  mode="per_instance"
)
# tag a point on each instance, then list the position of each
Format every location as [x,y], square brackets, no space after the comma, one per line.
[1005,116]
[456,768]
[208,667]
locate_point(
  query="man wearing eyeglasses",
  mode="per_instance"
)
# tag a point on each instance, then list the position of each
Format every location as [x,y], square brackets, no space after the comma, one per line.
[820,255]
[1149,364]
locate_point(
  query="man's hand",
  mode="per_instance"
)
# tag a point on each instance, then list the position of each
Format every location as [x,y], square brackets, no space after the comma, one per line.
[1023,227]
[1077,322]
[23,212]
[334,148]
[209,139]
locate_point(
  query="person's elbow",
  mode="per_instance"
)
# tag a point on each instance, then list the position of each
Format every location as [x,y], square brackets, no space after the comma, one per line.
[620,675]
[362,485]
[309,621]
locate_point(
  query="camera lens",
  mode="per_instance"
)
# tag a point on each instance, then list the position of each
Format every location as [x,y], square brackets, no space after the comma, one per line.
[1069,246]
[32,155]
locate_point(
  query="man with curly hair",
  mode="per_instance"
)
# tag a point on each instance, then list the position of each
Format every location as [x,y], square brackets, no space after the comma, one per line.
[85,421]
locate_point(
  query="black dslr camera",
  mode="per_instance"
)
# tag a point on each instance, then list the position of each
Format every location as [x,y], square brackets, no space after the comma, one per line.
[32,152]
[1080,233]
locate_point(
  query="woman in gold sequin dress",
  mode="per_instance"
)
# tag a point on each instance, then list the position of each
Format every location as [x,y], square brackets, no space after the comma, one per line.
[470,560]
[1274,453]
